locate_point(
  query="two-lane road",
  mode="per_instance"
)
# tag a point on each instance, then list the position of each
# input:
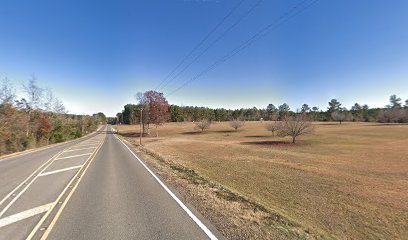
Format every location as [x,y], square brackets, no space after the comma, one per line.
[93,188]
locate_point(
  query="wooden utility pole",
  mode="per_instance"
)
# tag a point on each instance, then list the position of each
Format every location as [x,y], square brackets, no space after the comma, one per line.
[141,122]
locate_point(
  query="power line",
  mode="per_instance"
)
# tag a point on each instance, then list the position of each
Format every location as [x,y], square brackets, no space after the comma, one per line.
[214,42]
[201,42]
[293,12]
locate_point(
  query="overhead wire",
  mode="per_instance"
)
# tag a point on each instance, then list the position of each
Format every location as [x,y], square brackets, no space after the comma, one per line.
[293,12]
[201,42]
[223,34]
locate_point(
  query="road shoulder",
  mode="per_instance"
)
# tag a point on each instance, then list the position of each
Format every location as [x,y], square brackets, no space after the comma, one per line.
[195,215]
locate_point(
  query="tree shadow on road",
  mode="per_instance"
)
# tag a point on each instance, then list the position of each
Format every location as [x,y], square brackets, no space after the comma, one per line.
[132,134]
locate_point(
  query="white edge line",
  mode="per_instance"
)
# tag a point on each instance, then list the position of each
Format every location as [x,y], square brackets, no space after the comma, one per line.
[60,170]
[23,215]
[79,155]
[184,207]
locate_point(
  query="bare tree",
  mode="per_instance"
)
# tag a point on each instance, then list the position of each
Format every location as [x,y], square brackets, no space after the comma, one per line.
[58,107]
[48,100]
[273,127]
[33,101]
[50,103]
[203,125]
[295,126]
[236,123]
[144,111]
[34,93]
[7,92]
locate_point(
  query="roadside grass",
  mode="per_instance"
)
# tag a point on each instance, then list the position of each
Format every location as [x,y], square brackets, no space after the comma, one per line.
[344,181]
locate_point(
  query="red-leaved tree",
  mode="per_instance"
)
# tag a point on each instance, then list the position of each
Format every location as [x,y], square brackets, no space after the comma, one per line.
[44,127]
[158,108]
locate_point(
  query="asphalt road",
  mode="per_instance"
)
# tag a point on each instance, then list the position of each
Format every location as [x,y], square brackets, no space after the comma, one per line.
[91,188]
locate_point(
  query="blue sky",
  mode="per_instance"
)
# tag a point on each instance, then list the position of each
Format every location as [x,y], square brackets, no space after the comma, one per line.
[95,55]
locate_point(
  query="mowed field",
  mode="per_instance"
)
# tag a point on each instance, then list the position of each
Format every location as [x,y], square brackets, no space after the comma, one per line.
[347,181]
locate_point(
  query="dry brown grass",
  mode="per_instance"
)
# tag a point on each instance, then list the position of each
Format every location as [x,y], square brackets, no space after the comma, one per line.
[346,181]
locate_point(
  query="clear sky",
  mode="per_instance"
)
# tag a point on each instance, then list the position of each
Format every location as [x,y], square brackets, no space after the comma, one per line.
[95,55]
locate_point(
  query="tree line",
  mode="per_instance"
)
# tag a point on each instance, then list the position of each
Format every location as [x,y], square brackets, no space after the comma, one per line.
[39,118]
[395,112]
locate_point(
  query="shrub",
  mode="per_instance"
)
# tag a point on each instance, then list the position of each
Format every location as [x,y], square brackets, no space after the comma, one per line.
[78,134]
[59,137]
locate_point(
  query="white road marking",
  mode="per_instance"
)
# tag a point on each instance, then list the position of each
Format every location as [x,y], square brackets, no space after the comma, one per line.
[73,156]
[49,162]
[86,144]
[59,170]
[23,215]
[72,150]
[85,166]
[92,142]
[180,203]
[8,195]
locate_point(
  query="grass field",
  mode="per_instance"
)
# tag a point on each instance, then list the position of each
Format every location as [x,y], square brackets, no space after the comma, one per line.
[346,181]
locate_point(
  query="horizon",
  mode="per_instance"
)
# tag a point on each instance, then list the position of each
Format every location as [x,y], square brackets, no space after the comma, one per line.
[96,57]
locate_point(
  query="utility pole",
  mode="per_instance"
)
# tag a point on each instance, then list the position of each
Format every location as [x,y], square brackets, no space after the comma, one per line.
[141,122]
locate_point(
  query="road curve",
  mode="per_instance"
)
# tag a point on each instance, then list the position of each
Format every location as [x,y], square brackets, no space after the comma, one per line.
[96,188]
